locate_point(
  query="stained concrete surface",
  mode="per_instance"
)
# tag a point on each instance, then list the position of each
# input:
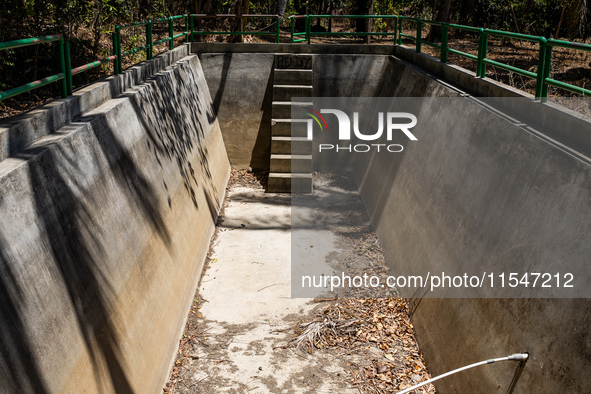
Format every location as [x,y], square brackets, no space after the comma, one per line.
[104,228]
[247,313]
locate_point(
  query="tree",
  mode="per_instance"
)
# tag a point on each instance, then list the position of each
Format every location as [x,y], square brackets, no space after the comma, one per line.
[281,5]
[443,13]
[364,7]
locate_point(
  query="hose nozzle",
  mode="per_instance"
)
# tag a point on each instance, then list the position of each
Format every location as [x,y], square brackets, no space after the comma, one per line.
[518,356]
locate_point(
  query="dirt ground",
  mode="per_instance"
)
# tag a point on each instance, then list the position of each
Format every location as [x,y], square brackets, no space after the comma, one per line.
[246,334]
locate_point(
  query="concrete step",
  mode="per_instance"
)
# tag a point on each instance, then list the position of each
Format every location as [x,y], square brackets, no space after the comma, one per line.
[289,183]
[291,146]
[292,77]
[282,109]
[286,92]
[300,164]
[294,61]
[289,128]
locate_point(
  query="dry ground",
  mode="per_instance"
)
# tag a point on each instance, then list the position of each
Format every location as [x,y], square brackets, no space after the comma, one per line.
[255,338]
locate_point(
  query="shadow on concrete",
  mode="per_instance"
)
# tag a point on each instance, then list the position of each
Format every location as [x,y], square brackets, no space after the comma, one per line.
[217,100]
[17,362]
[75,243]
[262,145]
[77,253]
[174,132]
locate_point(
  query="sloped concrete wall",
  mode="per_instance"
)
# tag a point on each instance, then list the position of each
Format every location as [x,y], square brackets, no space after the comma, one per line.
[22,130]
[478,187]
[429,205]
[241,86]
[104,228]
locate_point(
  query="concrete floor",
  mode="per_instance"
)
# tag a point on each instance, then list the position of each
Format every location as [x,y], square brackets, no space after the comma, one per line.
[248,314]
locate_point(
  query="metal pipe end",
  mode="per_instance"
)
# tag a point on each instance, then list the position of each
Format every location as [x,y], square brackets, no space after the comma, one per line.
[519,356]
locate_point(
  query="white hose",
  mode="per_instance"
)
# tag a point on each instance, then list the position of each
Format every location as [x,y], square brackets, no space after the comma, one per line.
[513,357]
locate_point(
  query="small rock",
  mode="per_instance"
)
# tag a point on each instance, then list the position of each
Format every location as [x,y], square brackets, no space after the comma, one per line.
[249,170]
[260,368]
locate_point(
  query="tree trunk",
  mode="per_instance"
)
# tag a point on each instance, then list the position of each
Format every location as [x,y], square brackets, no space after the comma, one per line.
[281,5]
[442,16]
[466,12]
[363,7]
[301,9]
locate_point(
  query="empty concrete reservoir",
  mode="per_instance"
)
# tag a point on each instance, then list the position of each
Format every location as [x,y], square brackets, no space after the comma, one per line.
[109,199]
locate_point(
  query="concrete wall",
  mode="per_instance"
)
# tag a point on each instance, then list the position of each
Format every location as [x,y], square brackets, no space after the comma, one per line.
[246,70]
[241,86]
[429,204]
[484,188]
[240,80]
[104,228]
[22,130]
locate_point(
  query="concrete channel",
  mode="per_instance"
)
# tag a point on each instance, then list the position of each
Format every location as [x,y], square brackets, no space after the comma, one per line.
[109,200]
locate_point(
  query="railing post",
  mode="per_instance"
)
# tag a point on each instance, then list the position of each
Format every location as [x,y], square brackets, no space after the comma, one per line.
[187,28]
[307,26]
[444,40]
[419,32]
[114,39]
[547,70]
[68,64]
[64,83]
[171,33]
[482,49]
[278,29]
[395,29]
[150,51]
[400,31]
[119,60]
[191,27]
[540,70]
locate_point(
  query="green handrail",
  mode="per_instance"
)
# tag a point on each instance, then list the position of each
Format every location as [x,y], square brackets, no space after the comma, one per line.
[309,33]
[481,58]
[276,33]
[542,74]
[61,76]
[547,81]
[292,29]
[149,46]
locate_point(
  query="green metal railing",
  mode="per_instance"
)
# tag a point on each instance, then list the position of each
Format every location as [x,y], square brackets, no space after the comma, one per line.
[60,76]
[542,76]
[295,34]
[551,43]
[308,33]
[149,47]
[276,33]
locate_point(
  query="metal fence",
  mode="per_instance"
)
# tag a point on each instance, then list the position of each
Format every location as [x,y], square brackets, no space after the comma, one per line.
[542,75]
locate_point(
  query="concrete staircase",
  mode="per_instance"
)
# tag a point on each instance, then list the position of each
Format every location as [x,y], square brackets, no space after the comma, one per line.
[291,151]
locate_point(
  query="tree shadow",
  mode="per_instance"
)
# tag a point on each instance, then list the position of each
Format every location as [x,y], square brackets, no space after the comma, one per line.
[77,252]
[18,367]
[173,114]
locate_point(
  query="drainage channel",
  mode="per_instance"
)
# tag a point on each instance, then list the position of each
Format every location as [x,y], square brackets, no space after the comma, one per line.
[246,334]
